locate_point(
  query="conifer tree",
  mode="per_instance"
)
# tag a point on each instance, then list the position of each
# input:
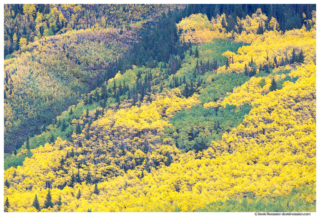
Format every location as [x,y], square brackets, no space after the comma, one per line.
[104,103]
[169,160]
[51,139]
[293,59]
[37,129]
[48,203]
[301,57]
[72,153]
[90,99]
[7,184]
[59,123]
[275,60]
[71,112]
[78,130]
[227,63]
[72,180]
[87,114]
[78,176]
[96,190]
[86,100]
[97,95]
[64,125]
[59,203]
[6,205]
[36,203]
[273,86]
[28,145]
[196,53]
[246,70]
[79,194]
[88,178]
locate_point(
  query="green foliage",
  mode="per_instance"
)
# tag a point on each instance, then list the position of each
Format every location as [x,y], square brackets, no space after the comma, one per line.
[222,84]
[262,83]
[196,128]
[9,56]
[287,78]
[135,83]
[292,202]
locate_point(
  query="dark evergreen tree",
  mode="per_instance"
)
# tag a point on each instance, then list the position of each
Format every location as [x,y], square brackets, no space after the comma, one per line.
[72,153]
[87,114]
[7,184]
[36,203]
[88,178]
[72,180]
[301,57]
[6,205]
[28,145]
[196,53]
[86,100]
[79,194]
[64,125]
[293,58]
[96,190]
[169,160]
[97,96]
[78,177]
[224,23]
[37,129]
[78,130]
[51,139]
[90,99]
[273,86]
[260,29]
[48,203]
[59,203]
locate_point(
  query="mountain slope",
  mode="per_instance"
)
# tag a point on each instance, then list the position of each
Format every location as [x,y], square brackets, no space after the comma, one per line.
[191,132]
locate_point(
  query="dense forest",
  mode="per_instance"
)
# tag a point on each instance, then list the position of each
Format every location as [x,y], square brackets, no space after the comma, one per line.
[160,108]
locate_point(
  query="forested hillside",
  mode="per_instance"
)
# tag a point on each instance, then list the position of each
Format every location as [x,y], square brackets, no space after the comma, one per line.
[198,108]
[50,74]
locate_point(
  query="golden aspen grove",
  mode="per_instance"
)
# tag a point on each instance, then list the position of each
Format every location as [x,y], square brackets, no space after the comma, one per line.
[160,108]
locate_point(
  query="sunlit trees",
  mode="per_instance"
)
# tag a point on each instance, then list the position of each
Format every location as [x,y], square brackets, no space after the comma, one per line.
[253,139]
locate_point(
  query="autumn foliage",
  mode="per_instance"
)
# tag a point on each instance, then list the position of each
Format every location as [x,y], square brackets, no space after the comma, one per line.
[228,125]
